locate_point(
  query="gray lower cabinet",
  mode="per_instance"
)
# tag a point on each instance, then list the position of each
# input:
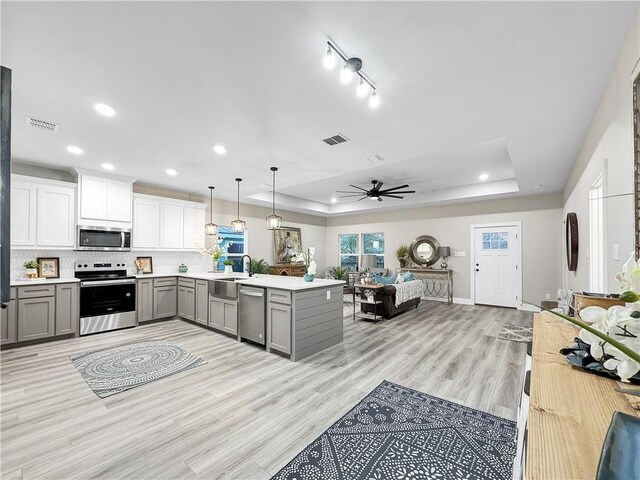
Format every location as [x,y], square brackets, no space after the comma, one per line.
[223,315]
[67,308]
[9,321]
[144,299]
[187,303]
[202,302]
[279,327]
[230,318]
[164,302]
[36,318]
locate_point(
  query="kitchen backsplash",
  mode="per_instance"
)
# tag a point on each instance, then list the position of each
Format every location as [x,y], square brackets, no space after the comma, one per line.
[163,262]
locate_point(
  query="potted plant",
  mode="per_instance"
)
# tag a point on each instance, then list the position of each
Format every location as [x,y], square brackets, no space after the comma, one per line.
[340,272]
[260,266]
[402,254]
[228,267]
[31,268]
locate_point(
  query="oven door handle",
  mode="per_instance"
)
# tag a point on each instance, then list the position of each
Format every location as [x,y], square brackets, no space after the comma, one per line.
[100,283]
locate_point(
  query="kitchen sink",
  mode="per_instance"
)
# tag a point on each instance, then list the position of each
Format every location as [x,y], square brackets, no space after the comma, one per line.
[224,288]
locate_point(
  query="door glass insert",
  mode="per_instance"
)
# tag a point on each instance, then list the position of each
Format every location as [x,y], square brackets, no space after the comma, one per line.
[495,241]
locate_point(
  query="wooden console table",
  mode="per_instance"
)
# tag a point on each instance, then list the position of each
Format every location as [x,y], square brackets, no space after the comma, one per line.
[569,410]
[437,283]
[288,269]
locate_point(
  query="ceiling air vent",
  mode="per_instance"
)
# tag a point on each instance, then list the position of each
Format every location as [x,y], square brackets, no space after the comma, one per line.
[41,124]
[335,140]
[371,161]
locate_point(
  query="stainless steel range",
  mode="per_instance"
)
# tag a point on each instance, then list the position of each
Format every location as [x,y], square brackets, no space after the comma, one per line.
[107,297]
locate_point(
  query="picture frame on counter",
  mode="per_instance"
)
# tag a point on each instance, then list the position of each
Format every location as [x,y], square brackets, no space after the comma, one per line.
[144,264]
[49,267]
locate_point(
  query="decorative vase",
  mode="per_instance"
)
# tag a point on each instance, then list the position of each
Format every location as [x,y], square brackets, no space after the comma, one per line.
[31,272]
[308,277]
[403,263]
[228,269]
[183,268]
[215,265]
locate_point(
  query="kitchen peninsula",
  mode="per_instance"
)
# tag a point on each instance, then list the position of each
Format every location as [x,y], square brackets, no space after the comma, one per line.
[302,318]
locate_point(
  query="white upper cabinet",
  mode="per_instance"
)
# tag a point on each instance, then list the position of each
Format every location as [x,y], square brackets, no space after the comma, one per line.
[161,223]
[104,200]
[193,226]
[146,223]
[42,213]
[56,216]
[23,213]
[119,201]
[93,197]
[171,230]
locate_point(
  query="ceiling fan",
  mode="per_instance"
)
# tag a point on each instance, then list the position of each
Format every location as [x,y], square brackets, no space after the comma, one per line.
[376,192]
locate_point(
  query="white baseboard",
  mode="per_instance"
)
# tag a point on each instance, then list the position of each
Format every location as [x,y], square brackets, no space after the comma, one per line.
[529,308]
[459,301]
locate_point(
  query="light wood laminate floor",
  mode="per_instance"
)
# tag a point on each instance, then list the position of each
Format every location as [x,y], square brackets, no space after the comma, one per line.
[245,413]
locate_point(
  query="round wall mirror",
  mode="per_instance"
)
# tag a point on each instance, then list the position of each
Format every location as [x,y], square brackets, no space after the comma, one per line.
[424,250]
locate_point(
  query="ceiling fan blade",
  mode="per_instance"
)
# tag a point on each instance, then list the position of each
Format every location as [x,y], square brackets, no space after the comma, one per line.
[378,186]
[395,188]
[393,196]
[359,188]
[347,191]
[360,199]
[394,193]
[355,195]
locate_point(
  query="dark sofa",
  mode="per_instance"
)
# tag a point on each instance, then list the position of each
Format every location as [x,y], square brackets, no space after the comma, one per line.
[388,306]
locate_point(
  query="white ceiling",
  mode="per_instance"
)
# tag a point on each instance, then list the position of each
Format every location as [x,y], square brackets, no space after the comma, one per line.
[467,88]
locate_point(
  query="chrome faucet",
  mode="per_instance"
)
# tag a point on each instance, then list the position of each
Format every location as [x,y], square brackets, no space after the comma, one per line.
[242,263]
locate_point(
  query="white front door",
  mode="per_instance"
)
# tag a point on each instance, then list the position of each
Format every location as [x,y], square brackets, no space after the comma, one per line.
[495,265]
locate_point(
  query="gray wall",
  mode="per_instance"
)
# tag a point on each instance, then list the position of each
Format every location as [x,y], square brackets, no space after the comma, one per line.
[610,138]
[541,218]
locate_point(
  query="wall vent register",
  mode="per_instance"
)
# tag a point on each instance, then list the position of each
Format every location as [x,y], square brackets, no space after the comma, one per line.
[335,140]
[42,125]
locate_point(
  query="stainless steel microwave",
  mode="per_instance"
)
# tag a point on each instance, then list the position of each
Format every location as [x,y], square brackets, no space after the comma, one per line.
[103,239]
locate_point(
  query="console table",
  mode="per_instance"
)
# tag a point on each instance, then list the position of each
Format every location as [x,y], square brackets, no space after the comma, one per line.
[570,409]
[437,283]
[288,269]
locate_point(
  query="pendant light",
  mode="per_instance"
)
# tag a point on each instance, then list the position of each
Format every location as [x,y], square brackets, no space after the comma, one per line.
[238,225]
[274,222]
[211,228]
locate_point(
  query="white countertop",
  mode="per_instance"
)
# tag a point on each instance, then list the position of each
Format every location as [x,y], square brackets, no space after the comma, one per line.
[46,281]
[258,280]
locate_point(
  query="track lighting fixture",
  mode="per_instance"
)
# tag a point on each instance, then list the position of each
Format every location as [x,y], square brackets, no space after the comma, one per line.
[211,228]
[274,222]
[351,68]
[238,225]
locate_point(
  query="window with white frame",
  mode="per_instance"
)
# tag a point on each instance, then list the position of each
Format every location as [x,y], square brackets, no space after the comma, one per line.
[596,236]
[352,245]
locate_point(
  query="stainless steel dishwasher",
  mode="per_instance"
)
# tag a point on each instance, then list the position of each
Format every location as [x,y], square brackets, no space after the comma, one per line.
[252,314]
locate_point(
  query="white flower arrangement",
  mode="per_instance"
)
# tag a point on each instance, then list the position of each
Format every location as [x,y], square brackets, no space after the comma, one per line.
[622,353]
[214,252]
[310,265]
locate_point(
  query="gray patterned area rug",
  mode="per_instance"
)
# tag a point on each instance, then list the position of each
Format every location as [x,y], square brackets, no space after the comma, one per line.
[116,369]
[516,333]
[399,433]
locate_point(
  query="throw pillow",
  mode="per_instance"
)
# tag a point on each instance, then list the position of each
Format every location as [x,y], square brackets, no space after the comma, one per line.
[400,279]
[408,276]
[384,280]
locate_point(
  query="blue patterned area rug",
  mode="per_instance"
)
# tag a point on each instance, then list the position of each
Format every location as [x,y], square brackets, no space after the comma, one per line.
[116,369]
[402,434]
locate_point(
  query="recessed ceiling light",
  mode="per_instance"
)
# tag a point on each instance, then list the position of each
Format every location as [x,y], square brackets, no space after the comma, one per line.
[73,149]
[108,166]
[334,200]
[104,109]
[171,171]
[483,177]
[220,149]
